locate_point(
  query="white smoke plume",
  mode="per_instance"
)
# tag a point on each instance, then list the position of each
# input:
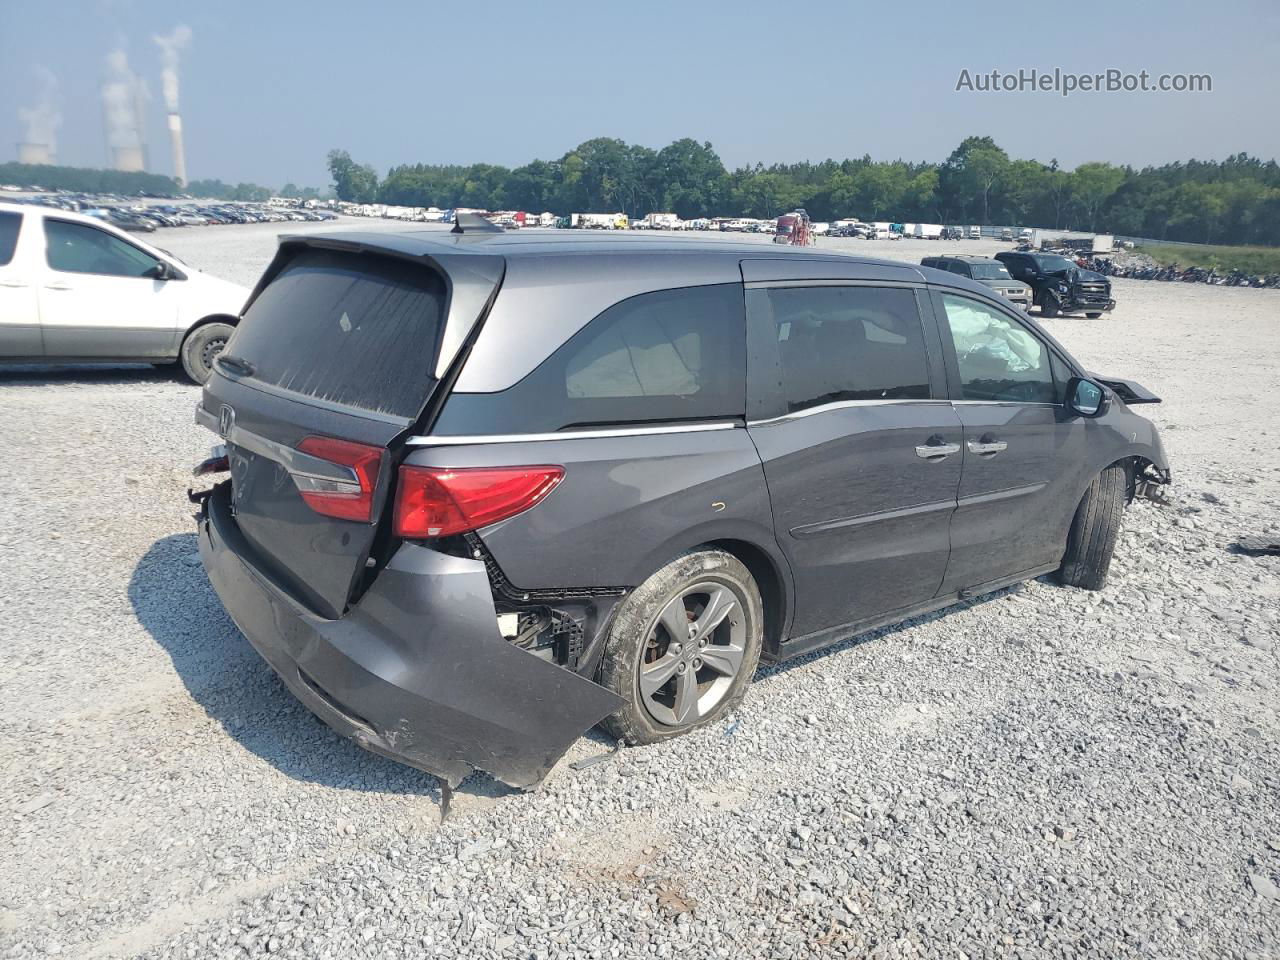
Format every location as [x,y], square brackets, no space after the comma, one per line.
[123,94]
[43,120]
[171,48]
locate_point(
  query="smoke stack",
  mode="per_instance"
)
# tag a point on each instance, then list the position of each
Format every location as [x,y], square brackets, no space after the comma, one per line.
[179,156]
[170,48]
[41,122]
[35,153]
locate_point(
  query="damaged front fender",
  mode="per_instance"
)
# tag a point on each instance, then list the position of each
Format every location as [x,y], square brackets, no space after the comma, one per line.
[417,670]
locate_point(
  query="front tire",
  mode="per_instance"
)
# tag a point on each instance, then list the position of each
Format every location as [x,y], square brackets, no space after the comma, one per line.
[201,347]
[1094,531]
[1093,316]
[683,647]
[1049,306]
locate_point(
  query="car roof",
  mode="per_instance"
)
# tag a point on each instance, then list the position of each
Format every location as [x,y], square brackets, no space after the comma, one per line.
[36,209]
[538,241]
[552,243]
[965,257]
[39,209]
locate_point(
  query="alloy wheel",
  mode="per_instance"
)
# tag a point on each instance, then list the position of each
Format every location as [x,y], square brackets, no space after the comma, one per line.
[692,654]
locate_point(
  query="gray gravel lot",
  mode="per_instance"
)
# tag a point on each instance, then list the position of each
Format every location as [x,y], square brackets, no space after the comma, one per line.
[1041,772]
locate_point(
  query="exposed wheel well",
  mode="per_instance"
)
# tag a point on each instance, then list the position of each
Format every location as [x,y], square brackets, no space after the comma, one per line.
[1144,478]
[769,579]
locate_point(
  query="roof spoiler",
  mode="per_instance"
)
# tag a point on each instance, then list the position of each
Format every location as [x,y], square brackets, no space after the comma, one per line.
[473,223]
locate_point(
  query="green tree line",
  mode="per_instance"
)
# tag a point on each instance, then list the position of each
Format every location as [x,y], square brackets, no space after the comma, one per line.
[86,180]
[1236,200]
[133,184]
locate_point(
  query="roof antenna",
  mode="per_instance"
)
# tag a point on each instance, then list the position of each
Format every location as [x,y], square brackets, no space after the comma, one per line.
[473,223]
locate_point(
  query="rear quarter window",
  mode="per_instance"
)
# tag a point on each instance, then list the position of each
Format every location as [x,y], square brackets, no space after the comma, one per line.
[666,356]
[10,224]
[355,329]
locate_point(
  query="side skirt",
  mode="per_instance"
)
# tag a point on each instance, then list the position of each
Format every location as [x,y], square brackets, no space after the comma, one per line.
[798,646]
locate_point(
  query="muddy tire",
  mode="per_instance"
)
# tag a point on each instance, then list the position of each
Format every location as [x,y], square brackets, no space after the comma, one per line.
[1094,530]
[683,647]
[200,348]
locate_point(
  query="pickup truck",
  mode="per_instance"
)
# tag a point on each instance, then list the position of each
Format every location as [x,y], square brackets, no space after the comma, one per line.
[1059,285]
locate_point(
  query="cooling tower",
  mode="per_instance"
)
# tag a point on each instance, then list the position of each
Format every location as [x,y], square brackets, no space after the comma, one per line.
[128,158]
[34,153]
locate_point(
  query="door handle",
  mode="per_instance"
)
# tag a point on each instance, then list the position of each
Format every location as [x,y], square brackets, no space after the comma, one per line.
[11,283]
[987,448]
[57,286]
[936,449]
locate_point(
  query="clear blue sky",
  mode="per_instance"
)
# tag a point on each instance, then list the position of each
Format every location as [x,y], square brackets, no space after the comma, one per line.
[269,87]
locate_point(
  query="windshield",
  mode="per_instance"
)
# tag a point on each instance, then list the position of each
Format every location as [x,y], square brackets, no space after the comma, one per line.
[1053,264]
[989,271]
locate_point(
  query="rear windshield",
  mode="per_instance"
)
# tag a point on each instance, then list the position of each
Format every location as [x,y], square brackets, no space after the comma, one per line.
[349,328]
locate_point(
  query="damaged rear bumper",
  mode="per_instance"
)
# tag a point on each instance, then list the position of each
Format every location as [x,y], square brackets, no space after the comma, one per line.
[417,670]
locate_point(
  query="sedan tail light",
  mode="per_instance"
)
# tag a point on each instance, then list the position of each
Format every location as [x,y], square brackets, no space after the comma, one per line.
[442,501]
[350,498]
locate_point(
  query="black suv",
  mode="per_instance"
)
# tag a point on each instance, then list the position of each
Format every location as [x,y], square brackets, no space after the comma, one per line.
[485,490]
[1060,285]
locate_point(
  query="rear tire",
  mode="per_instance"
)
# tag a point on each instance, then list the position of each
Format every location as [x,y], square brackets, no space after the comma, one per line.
[674,685]
[200,348]
[1094,530]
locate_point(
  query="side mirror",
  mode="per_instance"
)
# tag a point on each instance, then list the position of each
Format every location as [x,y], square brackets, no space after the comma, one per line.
[165,271]
[1086,398]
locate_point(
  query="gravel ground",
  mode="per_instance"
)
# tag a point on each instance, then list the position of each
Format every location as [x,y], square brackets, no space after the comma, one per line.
[1041,772]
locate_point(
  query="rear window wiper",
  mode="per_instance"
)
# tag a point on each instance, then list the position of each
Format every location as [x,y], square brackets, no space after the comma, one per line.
[235,364]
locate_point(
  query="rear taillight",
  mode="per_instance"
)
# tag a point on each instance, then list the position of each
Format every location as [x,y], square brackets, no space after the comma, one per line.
[442,501]
[350,498]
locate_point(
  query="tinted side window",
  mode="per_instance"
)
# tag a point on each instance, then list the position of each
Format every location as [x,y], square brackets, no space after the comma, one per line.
[10,224]
[849,343]
[999,359]
[665,356]
[78,248]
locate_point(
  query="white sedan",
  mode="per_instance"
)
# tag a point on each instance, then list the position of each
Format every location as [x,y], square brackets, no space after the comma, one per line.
[76,290]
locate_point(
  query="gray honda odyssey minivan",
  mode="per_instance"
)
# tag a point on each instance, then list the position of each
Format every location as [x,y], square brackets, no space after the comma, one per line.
[489,489]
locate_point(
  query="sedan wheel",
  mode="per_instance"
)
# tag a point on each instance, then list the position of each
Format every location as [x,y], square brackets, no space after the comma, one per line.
[202,347]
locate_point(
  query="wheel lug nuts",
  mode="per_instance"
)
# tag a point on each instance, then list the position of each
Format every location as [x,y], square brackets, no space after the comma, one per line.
[680,667]
[697,663]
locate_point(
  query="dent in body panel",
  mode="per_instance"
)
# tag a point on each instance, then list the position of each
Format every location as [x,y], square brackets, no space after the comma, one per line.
[417,670]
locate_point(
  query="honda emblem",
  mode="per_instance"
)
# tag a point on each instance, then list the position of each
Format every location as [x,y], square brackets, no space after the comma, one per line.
[226,421]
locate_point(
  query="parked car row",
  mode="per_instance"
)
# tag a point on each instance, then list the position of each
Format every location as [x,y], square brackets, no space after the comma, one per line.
[130,214]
